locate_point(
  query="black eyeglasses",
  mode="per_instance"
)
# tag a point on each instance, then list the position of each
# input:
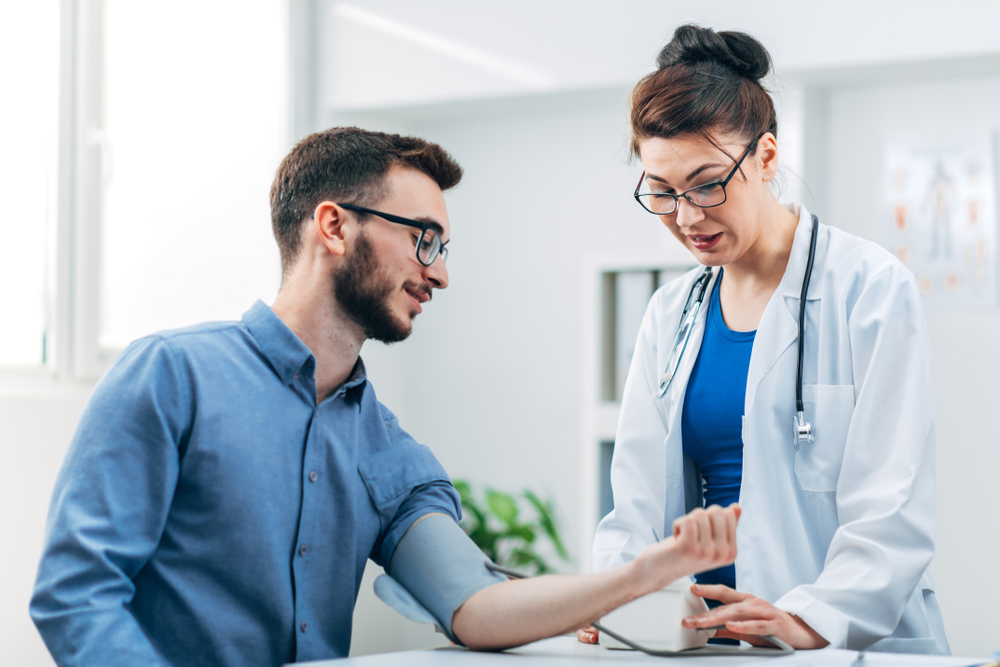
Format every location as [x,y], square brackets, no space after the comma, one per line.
[429,245]
[702,196]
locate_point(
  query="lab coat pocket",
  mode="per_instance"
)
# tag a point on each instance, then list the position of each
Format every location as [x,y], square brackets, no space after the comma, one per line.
[828,408]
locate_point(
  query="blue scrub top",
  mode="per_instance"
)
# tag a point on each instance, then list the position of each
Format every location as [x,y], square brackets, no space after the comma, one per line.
[712,417]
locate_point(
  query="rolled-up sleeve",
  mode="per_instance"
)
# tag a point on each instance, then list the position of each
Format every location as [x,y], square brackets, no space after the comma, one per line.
[109,508]
[405,481]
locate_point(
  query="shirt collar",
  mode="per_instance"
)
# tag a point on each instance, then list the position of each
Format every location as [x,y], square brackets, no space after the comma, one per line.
[288,355]
[358,376]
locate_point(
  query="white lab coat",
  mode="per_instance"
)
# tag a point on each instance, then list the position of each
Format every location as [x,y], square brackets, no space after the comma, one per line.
[840,532]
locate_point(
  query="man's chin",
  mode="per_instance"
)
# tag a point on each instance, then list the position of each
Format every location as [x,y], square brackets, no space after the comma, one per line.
[397,333]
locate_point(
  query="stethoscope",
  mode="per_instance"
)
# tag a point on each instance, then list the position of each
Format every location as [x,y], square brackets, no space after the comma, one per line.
[802,431]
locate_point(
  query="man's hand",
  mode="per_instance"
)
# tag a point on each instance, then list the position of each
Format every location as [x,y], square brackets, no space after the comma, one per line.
[703,539]
[746,617]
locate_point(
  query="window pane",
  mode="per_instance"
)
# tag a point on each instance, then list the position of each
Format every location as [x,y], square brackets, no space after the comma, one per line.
[196,121]
[29,77]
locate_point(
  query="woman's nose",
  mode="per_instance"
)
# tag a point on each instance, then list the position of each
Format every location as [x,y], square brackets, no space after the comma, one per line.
[687,213]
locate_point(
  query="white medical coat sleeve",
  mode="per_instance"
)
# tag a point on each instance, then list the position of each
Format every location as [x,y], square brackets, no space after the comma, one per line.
[639,462]
[885,490]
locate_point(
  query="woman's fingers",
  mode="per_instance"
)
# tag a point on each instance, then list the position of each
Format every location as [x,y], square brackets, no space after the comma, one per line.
[753,640]
[750,617]
[720,592]
[736,607]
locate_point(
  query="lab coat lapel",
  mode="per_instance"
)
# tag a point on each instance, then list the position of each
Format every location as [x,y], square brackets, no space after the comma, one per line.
[675,395]
[779,328]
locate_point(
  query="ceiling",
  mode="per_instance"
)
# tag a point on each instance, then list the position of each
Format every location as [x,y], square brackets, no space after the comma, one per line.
[379,53]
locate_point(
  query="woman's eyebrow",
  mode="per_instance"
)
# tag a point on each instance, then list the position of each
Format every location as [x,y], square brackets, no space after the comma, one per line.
[691,176]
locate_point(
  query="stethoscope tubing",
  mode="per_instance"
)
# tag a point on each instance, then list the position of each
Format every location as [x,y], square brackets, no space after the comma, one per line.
[803,430]
[802,312]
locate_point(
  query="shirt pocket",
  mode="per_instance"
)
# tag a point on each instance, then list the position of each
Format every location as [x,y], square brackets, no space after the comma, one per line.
[828,408]
[391,474]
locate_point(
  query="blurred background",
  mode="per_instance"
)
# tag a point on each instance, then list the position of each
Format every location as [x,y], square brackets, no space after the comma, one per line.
[139,141]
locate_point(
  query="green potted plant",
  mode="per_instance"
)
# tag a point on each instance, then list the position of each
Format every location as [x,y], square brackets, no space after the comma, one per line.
[497,525]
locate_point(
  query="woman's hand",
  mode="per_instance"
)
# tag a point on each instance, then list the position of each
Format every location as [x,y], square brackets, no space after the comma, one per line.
[746,617]
[703,539]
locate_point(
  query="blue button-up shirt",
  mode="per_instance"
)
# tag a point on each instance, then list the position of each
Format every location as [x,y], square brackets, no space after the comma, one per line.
[209,512]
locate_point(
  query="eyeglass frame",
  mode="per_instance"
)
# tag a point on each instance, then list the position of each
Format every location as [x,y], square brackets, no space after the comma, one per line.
[399,220]
[676,197]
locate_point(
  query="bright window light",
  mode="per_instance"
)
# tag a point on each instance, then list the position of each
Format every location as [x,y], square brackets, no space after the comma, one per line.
[29,78]
[196,124]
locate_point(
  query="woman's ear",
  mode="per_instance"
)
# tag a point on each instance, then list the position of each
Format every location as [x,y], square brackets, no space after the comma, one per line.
[767,156]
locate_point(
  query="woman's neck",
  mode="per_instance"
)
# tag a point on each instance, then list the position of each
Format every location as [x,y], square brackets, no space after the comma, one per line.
[751,280]
[763,265]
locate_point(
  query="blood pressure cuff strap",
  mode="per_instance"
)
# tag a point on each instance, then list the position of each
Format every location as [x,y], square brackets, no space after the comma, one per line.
[434,570]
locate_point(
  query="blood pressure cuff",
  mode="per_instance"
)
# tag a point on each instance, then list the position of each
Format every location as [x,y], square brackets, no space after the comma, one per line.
[434,570]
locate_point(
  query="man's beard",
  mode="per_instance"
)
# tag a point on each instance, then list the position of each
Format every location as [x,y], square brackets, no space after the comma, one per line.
[363,290]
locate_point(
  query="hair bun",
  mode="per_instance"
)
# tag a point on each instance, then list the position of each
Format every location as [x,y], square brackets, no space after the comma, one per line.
[737,51]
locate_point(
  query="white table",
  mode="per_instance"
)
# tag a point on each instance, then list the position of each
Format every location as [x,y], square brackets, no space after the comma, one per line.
[568,652]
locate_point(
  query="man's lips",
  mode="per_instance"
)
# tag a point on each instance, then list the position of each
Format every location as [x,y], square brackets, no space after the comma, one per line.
[419,295]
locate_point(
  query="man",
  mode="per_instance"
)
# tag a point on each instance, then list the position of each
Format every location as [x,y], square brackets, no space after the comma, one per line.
[227,482]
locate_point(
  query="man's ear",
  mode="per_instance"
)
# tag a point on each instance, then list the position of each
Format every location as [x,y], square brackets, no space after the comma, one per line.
[329,222]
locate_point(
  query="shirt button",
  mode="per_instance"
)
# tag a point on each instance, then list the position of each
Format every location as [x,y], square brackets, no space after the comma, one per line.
[304,626]
[302,550]
[313,476]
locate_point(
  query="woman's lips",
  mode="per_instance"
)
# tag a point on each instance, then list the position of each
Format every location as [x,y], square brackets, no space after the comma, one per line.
[704,241]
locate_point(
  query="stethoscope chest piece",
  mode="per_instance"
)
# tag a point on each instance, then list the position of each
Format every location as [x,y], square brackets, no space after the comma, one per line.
[803,431]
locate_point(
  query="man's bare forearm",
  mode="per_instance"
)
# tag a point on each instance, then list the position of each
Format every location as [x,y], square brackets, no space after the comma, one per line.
[522,611]
[526,610]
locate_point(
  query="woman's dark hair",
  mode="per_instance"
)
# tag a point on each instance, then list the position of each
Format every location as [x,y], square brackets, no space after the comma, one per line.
[706,83]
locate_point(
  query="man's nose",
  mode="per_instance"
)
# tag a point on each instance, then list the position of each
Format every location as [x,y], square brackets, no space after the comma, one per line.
[437,273]
[687,213]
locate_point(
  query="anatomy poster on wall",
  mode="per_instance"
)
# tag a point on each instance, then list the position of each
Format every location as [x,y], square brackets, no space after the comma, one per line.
[940,218]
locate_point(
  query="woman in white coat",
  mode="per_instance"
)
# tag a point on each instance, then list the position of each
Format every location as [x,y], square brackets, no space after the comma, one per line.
[837,533]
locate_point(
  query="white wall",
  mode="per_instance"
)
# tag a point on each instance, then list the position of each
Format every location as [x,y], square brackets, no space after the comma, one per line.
[34,432]
[966,364]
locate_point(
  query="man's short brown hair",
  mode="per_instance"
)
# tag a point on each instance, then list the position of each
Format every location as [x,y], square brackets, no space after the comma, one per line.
[346,165]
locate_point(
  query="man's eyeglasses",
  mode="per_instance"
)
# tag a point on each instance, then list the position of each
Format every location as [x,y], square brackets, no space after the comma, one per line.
[429,245]
[702,196]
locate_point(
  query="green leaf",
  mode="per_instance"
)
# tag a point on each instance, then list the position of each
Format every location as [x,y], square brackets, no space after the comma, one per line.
[522,557]
[547,521]
[522,532]
[503,505]
[464,490]
[478,516]
[486,541]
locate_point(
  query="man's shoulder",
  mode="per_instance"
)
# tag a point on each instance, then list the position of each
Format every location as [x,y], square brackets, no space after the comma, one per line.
[197,338]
